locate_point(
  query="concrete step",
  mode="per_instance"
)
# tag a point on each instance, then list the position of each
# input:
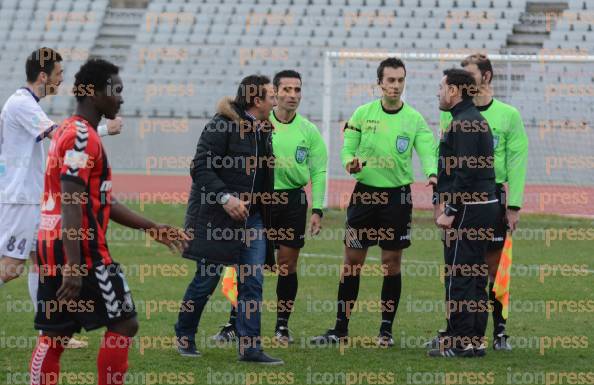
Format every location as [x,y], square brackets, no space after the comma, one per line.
[118,30]
[531,28]
[113,41]
[129,3]
[546,6]
[107,51]
[125,16]
[118,57]
[527,39]
[521,50]
[534,18]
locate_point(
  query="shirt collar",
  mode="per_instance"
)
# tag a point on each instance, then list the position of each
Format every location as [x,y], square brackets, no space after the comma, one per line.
[391,112]
[250,115]
[31,92]
[487,106]
[462,106]
[255,122]
[278,120]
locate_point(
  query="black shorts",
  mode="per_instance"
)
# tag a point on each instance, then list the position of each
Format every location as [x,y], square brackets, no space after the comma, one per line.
[500,229]
[289,218]
[104,299]
[379,216]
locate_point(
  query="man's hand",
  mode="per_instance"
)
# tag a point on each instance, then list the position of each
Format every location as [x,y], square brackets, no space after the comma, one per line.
[437,211]
[437,208]
[513,217]
[315,224]
[354,166]
[445,222]
[236,208]
[71,285]
[114,127]
[173,237]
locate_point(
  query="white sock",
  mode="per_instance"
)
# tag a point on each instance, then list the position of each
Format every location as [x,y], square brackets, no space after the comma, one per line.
[1,282]
[33,280]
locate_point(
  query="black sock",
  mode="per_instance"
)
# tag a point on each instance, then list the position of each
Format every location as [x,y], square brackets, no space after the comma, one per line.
[348,290]
[233,315]
[391,290]
[286,292]
[498,320]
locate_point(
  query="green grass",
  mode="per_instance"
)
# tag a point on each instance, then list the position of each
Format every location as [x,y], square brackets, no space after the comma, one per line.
[404,364]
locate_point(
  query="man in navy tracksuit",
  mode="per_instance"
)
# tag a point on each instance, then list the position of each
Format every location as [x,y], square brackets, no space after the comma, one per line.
[466,193]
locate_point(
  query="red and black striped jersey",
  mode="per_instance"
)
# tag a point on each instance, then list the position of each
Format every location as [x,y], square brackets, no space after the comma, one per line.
[76,154]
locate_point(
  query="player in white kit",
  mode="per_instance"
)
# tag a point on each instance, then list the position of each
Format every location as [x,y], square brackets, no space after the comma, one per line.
[23,126]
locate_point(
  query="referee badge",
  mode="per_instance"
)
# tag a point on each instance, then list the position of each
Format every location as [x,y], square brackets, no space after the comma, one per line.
[402,143]
[495,141]
[301,154]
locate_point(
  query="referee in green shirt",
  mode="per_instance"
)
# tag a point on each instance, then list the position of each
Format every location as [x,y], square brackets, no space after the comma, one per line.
[300,157]
[510,144]
[378,142]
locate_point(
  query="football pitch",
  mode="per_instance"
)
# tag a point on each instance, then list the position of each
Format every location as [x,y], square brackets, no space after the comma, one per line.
[551,317]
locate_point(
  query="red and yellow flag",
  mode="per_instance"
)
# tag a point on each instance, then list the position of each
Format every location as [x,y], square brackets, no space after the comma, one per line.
[502,279]
[229,287]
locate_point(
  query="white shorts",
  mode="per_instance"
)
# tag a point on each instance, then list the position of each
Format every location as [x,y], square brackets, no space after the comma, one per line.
[18,229]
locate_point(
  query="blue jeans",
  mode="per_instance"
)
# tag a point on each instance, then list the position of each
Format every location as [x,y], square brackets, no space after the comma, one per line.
[249,283]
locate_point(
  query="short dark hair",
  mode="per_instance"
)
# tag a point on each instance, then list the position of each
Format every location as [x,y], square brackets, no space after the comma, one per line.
[392,62]
[93,75]
[463,80]
[251,87]
[482,62]
[41,60]
[285,74]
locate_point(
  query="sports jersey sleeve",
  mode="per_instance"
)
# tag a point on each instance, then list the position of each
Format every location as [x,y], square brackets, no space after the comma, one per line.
[80,153]
[445,118]
[33,119]
[516,155]
[425,147]
[317,167]
[352,138]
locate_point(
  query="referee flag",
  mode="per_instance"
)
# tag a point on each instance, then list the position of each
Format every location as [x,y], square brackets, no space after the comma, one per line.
[502,279]
[229,287]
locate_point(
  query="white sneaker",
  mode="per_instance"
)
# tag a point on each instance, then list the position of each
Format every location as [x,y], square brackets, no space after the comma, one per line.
[74,343]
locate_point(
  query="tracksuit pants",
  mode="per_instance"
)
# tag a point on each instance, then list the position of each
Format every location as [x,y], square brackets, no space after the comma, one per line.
[466,275]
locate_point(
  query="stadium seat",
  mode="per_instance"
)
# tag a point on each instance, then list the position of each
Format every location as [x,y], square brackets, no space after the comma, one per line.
[220,35]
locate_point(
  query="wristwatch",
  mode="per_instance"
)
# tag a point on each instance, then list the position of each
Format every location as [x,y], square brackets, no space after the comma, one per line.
[449,211]
[224,199]
[317,211]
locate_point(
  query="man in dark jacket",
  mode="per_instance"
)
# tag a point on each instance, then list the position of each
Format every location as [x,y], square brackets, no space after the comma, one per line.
[466,187]
[229,212]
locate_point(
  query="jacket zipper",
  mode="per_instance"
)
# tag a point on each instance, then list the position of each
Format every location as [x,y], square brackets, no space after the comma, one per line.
[252,188]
